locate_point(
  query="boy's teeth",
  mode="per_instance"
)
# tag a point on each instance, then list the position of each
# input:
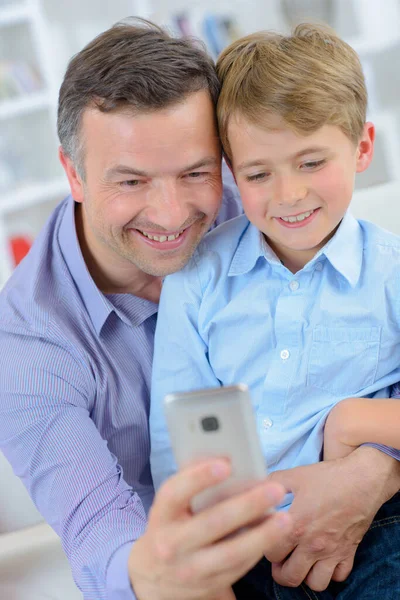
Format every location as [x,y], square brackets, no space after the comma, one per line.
[162,238]
[298,218]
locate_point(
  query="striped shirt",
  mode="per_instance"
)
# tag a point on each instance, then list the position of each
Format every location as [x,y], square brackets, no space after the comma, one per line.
[75,374]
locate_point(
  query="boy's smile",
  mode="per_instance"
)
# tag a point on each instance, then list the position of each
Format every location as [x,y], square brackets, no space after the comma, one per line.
[299,220]
[296,189]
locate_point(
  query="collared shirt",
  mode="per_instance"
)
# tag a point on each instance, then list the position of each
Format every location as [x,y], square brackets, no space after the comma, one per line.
[74,402]
[301,342]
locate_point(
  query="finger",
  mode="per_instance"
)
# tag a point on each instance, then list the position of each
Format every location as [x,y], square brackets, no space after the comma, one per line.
[320,574]
[343,569]
[225,518]
[279,553]
[174,496]
[294,570]
[228,560]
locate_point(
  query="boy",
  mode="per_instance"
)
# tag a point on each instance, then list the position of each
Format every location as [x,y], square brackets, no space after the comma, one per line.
[296,298]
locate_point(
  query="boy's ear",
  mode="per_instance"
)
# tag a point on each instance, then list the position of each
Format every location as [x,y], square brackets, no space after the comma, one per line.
[228,162]
[75,181]
[365,148]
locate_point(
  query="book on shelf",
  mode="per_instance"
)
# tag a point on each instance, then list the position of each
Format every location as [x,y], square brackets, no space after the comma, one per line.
[216,30]
[18,78]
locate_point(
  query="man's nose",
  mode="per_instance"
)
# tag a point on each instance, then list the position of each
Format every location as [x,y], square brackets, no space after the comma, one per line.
[168,206]
[289,190]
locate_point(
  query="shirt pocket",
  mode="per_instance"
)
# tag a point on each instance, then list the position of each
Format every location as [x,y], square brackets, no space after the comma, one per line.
[343,361]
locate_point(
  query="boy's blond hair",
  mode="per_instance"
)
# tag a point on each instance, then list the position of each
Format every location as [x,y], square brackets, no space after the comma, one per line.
[309,79]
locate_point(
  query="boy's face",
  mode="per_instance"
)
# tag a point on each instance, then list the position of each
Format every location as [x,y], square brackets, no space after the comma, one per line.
[296,189]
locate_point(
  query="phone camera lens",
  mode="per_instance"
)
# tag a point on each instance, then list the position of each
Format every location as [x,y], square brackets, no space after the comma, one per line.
[210,424]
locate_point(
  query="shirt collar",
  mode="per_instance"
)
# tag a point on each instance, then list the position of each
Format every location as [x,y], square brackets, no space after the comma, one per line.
[130,309]
[344,251]
[249,249]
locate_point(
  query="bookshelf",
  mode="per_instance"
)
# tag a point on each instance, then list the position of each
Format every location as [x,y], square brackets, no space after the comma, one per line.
[30,175]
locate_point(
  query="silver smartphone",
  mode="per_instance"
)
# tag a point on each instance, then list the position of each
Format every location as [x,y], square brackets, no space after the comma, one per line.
[217,422]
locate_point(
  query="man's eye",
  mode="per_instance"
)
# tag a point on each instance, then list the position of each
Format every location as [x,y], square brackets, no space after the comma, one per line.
[313,164]
[131,183]
[257,177]
[196,174]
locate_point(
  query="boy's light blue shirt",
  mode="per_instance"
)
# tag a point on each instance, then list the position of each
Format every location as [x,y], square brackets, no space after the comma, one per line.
[301,342]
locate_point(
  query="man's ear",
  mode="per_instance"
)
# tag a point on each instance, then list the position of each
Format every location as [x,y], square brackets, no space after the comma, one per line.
[365,149]
[229,164]
[75,181]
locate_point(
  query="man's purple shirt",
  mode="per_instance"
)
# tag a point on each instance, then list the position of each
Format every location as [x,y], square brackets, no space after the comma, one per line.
[74,402]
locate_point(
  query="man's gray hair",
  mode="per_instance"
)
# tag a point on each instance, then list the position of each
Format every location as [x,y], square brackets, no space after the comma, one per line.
[134,66]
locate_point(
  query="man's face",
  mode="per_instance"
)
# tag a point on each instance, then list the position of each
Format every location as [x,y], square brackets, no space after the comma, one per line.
[152,186]
[296,189]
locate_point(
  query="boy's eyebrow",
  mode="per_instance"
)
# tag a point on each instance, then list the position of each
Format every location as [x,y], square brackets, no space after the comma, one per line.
[209,161]
[250,163]
[261,163]
[311,150]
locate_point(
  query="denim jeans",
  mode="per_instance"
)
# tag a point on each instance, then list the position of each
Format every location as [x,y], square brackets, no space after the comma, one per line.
[375,575]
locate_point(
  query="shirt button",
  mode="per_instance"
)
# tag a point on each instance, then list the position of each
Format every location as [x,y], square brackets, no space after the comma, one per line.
[285,354]
[267,423]
[294,285]
[318,266]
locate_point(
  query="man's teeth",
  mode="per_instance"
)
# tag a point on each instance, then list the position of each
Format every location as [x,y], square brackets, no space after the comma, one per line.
[298,217]
[162,238]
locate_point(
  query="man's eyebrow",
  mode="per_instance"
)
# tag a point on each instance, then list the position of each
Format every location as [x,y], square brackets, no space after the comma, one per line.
[124,170]
[209,161]
[261,163]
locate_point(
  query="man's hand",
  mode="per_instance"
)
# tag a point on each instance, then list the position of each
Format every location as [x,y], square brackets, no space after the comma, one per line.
[194,557]
[334,505]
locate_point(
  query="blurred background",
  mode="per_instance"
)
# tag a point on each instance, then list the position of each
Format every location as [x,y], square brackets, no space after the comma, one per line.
[37,39]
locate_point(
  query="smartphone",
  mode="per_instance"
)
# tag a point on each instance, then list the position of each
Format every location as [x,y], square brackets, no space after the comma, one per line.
[217,422]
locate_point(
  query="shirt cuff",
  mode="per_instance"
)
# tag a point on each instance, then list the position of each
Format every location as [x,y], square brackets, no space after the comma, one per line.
[393,452]
[117,581]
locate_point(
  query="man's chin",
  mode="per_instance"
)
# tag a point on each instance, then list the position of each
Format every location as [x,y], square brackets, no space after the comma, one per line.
[164,266]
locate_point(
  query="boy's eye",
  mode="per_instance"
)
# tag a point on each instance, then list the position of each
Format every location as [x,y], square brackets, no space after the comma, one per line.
[313,164]
[257,177]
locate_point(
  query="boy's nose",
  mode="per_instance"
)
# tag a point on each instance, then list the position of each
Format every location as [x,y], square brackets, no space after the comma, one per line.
[289,191]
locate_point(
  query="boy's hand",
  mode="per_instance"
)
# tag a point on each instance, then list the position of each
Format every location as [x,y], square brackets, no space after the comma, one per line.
[342,420]
[189,557]
[334,505]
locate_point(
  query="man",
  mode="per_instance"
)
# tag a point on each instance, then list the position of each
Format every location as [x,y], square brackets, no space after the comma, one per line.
[140,149]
